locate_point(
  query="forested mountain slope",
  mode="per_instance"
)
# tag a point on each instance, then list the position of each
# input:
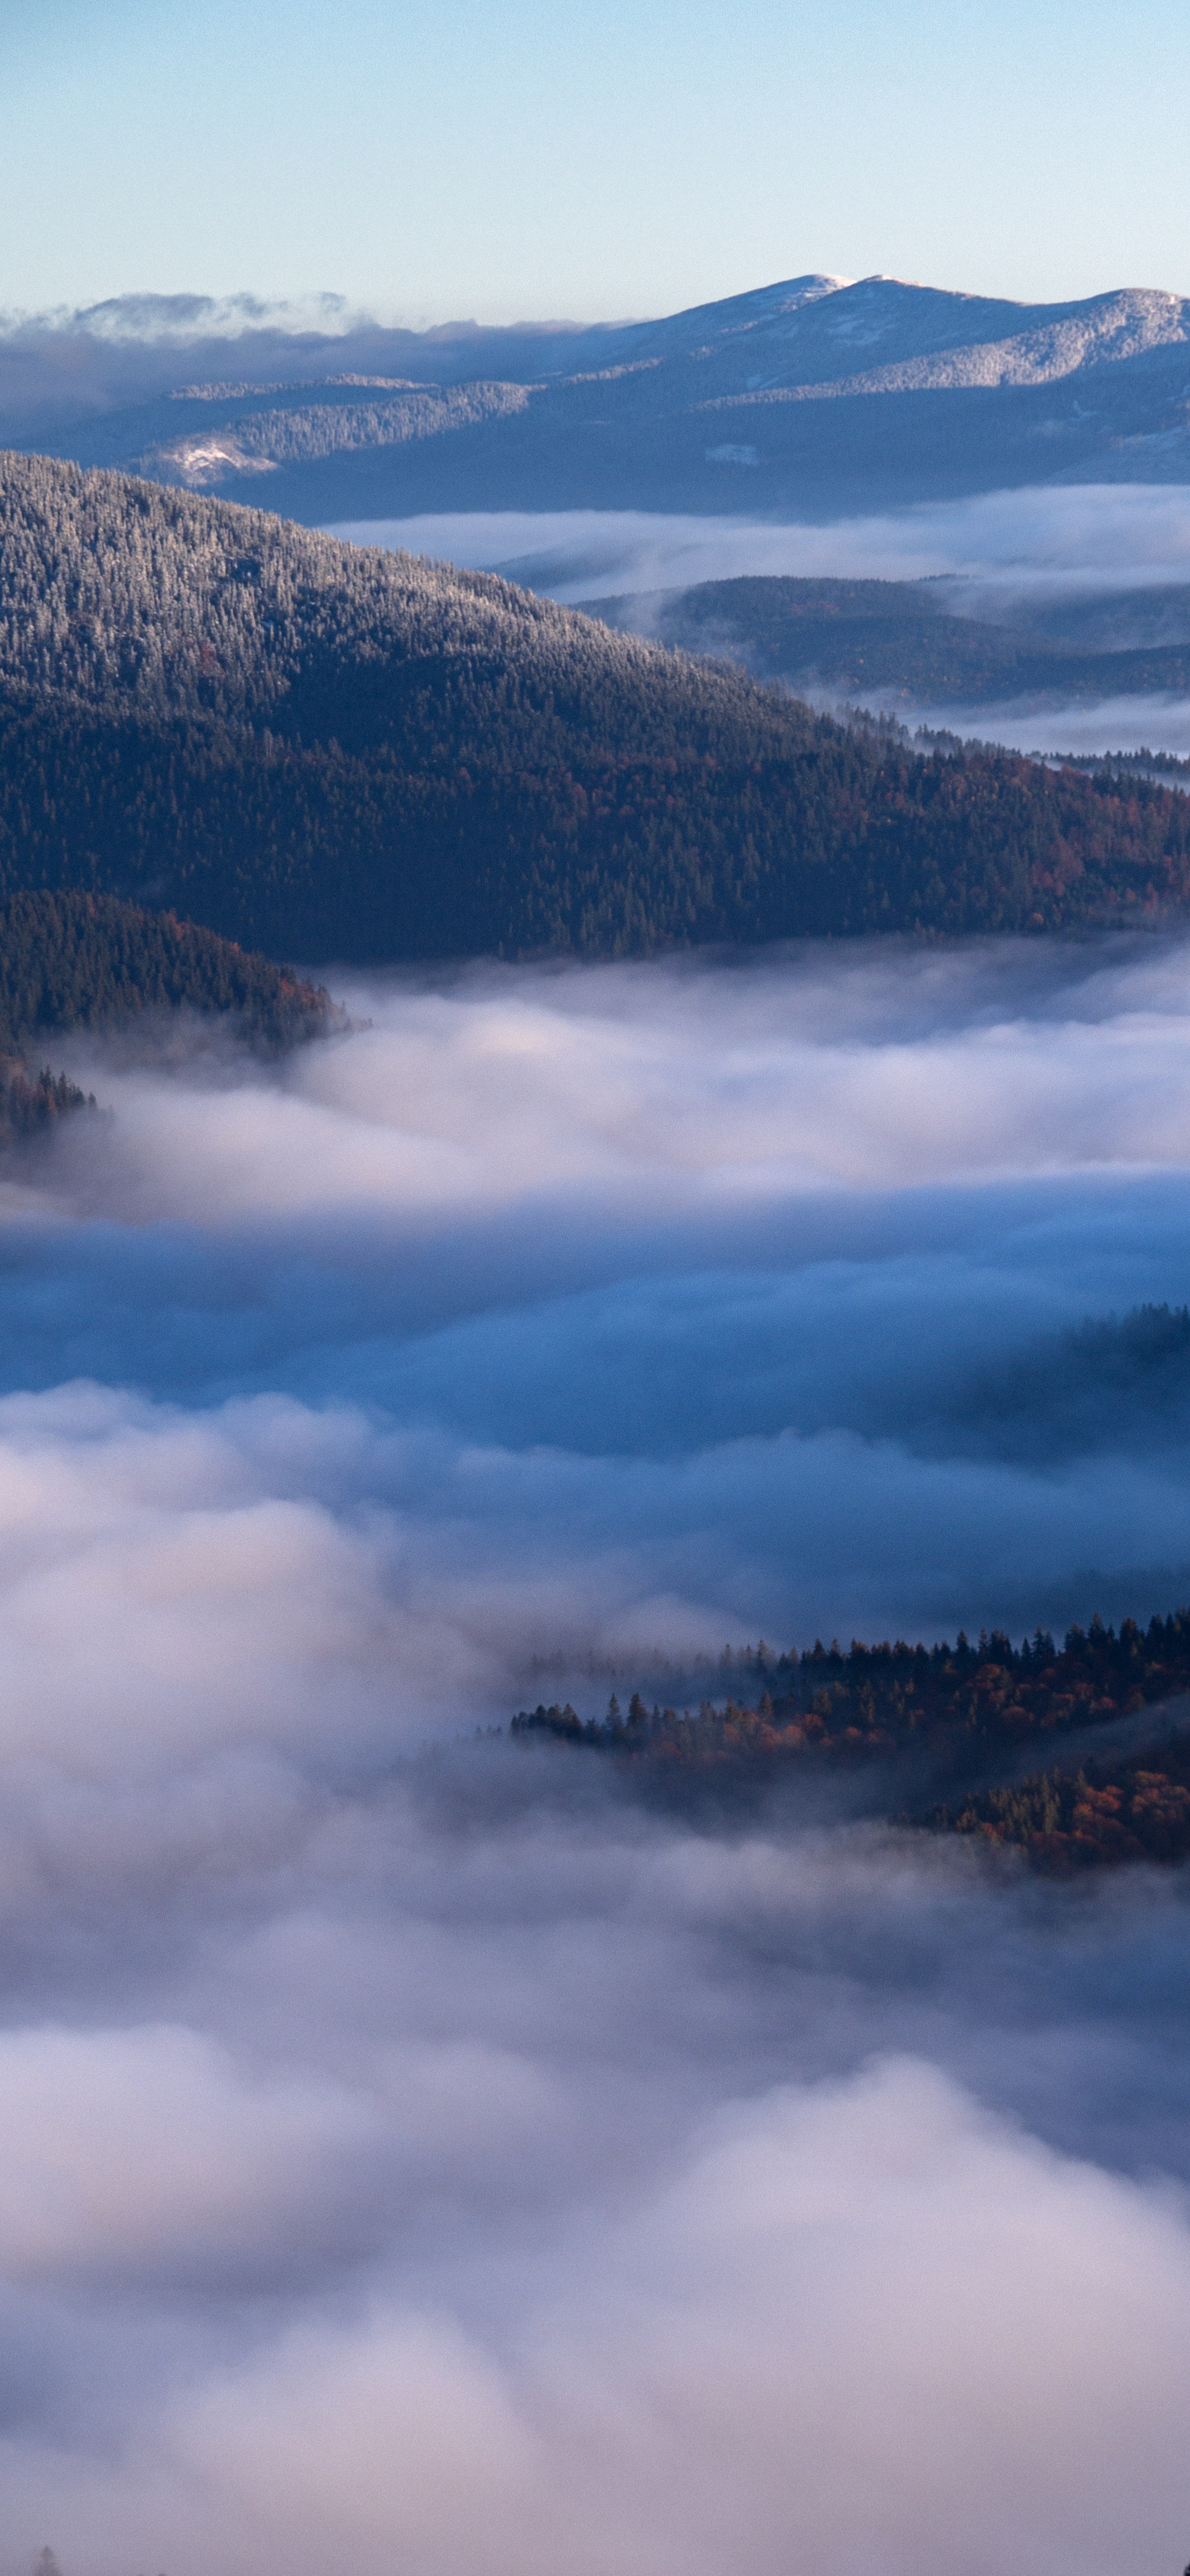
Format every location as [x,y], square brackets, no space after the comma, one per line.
[329,751]
[73,960]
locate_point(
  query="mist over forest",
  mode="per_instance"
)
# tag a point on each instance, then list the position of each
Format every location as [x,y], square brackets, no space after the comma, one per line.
[379,2091]
[594,1487]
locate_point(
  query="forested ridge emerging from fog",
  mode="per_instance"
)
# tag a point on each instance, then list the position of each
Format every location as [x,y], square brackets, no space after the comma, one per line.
[900,637]
[954,1714]
[331,751]
[88,961]
[32,1105]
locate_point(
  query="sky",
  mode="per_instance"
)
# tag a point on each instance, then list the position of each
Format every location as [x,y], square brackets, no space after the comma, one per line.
[509,159]
[419,2149]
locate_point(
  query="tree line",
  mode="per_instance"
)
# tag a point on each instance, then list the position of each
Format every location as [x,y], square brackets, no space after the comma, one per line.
[959,1709]
[31,1106]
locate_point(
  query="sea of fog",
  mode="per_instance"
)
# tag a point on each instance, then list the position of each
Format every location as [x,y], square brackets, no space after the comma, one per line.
[996,552]
[1044,540]
[417,2153]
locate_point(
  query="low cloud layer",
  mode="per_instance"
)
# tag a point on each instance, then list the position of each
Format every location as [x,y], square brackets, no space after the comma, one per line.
[1160,722]
[860,2322]
[678,1289]
[998,553]
[1044,540]
[414,2152]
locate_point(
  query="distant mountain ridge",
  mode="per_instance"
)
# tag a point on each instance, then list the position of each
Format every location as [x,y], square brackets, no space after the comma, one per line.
[809,332]
[812,394]
[898,643]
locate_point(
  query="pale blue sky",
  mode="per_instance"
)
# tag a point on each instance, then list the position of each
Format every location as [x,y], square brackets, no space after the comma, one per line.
[436,158]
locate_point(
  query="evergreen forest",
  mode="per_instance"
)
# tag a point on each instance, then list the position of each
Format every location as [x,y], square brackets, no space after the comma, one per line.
[72,960]
[335,752]
[31,1107]
[1040,1747]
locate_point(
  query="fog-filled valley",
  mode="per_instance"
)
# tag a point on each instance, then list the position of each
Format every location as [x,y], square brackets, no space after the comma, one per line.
[1051,618]
[418,2142]
[817,426]
[595,1439]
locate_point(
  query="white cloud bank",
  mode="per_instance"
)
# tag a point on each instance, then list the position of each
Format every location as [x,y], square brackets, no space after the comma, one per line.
[859,2325]
[1042,539]
[680,1089]
[415,2153]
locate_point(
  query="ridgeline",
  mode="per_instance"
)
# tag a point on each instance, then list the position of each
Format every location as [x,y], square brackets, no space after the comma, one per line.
[325,751]
[70,961]
[899,638]
[1070,1754]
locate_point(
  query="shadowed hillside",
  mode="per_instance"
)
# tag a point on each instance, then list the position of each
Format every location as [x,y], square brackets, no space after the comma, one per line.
[322,750]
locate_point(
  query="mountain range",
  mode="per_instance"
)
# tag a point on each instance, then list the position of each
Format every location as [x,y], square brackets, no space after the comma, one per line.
[804,398]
